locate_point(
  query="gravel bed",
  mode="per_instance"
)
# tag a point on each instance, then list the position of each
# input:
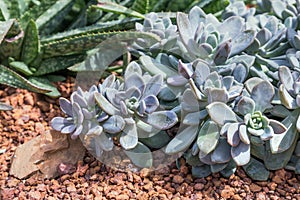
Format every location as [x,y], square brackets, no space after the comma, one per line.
[92,180]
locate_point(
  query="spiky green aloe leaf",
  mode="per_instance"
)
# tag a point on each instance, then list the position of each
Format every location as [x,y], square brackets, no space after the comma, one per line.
[31,43]
[55,64]
[49,20]
[4,13]
[45,84]
[21,67]
[141,6]
[117,8]
[11,78]
[4,28]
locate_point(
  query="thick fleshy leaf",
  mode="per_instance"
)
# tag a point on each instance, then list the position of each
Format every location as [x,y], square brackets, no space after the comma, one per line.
[245,105]
[185,69]
[262,94]
[76,98]
[268,133]
[221,113]
[77,113]
[57,123]
[134,80]
[140,155]
[252,82]
[240,73]
[105,105]
[68,129]
[167,94]
[277,127]
[114,124]
[194,118]
[256,170]
[189,102]
[201,171]
[286,99]
[77,132]
[242,41]
[151,103]
[221,154]
[154,67]
[231,27]
[106,143]
[177,80]
[65,106]
[157,141]
[243,134]
[162,119]
[229,170]
[132,67]
[153,86]
[241,154]
[233,137]
[208,137]
[255,132]
[202,71]
[215,168]
[222,53]
[286,78]
[129,137]
[182,140]
[217,94]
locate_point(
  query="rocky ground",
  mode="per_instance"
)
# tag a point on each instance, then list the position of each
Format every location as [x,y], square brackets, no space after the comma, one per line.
[92,180]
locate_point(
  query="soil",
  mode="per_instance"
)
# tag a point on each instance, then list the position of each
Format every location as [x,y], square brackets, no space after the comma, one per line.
[90,179]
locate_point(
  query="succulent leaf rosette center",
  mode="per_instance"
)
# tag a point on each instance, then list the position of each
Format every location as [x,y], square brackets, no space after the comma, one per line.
[132,103]
[256,121]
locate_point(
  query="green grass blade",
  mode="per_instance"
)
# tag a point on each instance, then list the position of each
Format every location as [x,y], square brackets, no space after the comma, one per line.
[118,9]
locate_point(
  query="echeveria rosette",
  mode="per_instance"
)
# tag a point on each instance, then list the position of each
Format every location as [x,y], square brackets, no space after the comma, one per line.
[289,90]
[205,37]
[136,102]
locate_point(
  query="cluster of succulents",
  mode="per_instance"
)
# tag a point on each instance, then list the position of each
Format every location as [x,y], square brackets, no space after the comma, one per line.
[233,82]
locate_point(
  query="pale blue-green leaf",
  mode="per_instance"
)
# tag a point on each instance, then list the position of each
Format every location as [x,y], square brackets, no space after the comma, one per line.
[177,80]
[286,99]
[201,171]
[151,103]
[233,137]
[286,78]
[194,118]
[262,94]
[208,137]
[240,73]
[154,67]
[221,154]
[252,82]
[221,113]
[162,119]
[114,124]
[245,105]
[65,106]
[268,133]
[243,134]
[182,140]
[129,137]
[255,132]
[229,170]
[231,27]
[256,170]
[217,95]
[153,86]
[134,80]
[105,105]
[215,168]
[277,126]
[241,154]
[140,155]
[242,41]
[157,141]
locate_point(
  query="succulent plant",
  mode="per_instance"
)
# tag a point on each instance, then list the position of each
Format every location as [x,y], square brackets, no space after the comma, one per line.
[232,81]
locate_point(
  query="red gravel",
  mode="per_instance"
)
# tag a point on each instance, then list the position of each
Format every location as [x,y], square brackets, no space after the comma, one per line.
[92,180]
